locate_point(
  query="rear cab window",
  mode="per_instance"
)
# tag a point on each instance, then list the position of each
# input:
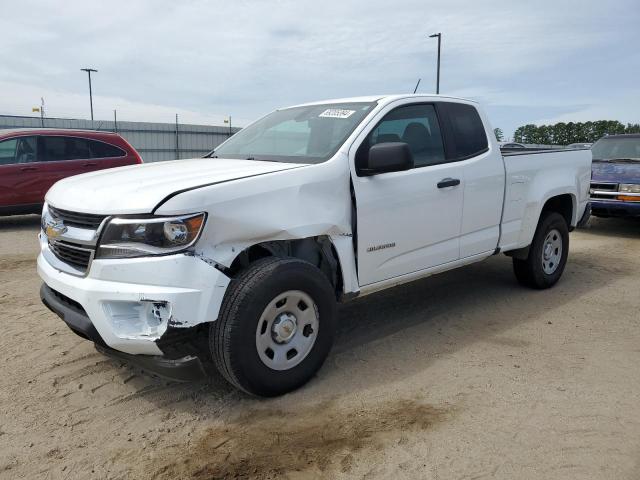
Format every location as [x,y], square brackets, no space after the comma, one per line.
[466,136]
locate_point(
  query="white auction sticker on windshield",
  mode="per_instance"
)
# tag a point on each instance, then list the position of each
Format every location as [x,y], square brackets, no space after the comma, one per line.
[336,113]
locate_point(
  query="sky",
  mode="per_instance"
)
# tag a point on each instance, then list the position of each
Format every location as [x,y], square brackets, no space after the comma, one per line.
[526,62]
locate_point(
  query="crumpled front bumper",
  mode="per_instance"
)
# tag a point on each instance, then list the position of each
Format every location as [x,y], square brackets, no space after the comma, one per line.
[185,287]
[186,368]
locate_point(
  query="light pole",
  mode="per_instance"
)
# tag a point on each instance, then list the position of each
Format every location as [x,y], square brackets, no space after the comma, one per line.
[439,35]
[89,70]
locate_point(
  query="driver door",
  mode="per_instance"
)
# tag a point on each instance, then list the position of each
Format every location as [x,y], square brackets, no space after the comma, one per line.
[410,220]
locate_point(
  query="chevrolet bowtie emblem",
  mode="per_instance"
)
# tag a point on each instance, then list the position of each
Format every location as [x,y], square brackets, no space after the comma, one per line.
[54,229]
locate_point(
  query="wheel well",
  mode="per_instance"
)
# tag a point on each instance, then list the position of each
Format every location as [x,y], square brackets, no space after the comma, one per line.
[562,204]
[318,251]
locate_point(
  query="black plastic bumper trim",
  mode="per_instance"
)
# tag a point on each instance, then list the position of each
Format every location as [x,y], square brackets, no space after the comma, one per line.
[186,369]
[75,318]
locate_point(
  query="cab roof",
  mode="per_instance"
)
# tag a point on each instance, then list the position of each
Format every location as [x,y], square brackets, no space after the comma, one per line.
[384,99]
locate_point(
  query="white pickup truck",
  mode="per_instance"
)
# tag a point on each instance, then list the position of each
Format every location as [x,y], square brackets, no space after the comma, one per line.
[240,257]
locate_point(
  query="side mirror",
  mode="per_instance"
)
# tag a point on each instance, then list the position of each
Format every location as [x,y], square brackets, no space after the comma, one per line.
[388,157]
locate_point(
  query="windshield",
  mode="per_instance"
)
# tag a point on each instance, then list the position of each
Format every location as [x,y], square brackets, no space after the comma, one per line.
[310,134]
[616,148]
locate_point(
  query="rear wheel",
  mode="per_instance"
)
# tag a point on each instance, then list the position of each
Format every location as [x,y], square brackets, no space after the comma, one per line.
[548,253]
[276,326]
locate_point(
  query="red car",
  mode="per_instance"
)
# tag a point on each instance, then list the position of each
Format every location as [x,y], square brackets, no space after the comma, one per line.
[33,159]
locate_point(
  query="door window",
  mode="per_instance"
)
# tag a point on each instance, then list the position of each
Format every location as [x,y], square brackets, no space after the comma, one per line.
[8,151]
[61,148]
[58,148]
[27,150]
[416,125]
[469,138]
[18,150]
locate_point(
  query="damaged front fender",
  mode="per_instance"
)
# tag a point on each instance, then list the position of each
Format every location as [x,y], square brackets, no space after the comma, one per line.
[301,203]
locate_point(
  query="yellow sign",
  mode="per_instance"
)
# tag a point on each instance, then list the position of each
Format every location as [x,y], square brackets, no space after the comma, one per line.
[35,109]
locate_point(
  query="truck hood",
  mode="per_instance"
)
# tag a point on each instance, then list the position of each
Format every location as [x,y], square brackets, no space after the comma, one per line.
[140,188]
[615,172]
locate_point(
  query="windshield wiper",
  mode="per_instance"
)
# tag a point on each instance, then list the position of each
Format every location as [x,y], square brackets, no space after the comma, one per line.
[261,159]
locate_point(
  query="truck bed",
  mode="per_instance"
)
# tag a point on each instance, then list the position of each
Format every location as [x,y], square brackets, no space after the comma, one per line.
[531,176]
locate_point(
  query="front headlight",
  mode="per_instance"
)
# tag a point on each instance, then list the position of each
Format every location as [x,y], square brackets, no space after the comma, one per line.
[629,188]
[138,237]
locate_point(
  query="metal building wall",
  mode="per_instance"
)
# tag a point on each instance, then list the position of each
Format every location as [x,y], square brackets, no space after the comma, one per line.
[154,141]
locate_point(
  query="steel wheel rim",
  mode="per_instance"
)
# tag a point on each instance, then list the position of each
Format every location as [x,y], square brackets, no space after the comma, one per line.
[551,252]
[287,330]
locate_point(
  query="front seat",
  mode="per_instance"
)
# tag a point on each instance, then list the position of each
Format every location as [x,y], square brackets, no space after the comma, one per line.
[419,139]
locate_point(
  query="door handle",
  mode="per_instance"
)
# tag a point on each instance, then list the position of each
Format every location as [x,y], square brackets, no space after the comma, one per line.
[89,164]
[448,182]
[28,169]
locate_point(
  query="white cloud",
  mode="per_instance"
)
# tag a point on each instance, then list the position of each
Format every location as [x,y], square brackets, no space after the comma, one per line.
[627,109]
[246,57]
[62,104]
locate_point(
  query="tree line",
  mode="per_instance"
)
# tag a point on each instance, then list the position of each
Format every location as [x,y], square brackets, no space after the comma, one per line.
[572,132]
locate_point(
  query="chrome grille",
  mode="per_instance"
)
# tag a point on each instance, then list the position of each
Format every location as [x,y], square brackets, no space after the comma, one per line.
[76,219]
[603,187]
[71,254]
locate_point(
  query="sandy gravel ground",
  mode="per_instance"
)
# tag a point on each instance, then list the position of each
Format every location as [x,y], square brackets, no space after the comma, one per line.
[465,375]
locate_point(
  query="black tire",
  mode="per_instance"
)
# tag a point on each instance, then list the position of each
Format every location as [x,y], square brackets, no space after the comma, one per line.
[530,272]
[233,334]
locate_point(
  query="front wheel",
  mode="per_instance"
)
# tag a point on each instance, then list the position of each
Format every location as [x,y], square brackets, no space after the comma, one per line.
[548,253]
[276,326]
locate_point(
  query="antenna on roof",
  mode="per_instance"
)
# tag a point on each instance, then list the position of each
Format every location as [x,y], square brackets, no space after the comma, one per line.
[417,84]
